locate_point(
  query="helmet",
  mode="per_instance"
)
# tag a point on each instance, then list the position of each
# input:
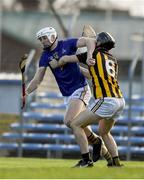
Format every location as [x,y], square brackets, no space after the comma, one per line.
[47,31]
[105,40]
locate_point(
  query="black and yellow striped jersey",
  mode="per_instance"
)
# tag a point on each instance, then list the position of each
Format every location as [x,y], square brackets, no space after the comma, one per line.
[104,74]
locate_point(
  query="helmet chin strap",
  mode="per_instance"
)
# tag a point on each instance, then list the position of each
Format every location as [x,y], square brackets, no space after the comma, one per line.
[49,47]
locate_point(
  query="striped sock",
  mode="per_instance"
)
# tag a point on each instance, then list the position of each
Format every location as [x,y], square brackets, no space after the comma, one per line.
[116,161]
[108,157]
[93,138]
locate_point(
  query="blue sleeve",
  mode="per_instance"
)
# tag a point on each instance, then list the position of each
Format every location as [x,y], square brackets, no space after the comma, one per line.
[72,43]
[44,62]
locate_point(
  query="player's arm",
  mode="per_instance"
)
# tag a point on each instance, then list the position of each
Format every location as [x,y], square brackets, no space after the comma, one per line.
[68,59]
[63,60]
[85,72]
[90,43]
[35,82]
[76,58]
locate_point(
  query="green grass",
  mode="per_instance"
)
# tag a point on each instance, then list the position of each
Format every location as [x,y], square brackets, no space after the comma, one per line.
[6,120]
[30,168]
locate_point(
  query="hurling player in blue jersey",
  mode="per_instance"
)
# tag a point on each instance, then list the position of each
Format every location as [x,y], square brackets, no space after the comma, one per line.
[70,78]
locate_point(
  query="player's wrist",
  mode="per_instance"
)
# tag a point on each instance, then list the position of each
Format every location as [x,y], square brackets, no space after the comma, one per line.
[89,55]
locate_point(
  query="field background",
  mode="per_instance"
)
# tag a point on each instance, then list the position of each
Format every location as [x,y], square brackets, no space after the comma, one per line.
[30,168]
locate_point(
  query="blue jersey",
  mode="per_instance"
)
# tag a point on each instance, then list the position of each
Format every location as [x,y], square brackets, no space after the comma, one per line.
[69,77]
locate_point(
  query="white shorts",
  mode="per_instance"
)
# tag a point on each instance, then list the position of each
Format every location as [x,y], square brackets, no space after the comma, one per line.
[83,94]
[109,108]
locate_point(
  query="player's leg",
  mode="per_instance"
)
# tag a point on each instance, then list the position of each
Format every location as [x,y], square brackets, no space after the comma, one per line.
[100,150]
[74,107]
[97,144]
[104,130]
[81,121]
[76,104]
[84,119]
[112,108]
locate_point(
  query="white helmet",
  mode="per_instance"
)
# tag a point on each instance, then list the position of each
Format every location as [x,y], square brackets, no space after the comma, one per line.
[47,31]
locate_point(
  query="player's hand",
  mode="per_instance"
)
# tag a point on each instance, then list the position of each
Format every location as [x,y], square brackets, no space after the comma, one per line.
[53,63]
[90,61]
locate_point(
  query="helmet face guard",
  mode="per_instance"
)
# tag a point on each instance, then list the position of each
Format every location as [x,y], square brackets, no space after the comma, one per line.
[105,40]
[48,32]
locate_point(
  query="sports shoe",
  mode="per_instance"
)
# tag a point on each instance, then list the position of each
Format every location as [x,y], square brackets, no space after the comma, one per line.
[97,150]
[82,164]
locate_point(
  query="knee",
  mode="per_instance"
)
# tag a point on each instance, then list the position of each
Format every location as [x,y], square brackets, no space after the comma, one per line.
[67,123]
[71,124]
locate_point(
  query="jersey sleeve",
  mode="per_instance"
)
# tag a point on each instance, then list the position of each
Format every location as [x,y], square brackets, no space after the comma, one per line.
[72,43]
[43,62]
[82,57]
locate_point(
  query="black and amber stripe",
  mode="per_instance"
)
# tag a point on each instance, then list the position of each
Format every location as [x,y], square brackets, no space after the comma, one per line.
[104,84]
[97,105]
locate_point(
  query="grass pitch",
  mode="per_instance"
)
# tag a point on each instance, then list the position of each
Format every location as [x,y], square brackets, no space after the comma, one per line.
[30,168]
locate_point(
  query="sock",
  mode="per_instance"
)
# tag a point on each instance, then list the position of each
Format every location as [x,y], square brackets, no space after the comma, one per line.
[116,161]
[108,157]
[86,156]
[93,139]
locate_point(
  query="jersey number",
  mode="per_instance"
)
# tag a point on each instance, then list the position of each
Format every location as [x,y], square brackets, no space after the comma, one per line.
[110,67]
